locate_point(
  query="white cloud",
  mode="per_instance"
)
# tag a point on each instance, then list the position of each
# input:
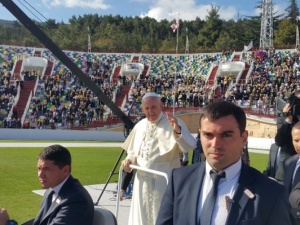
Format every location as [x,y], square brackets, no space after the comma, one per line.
[95,4]
[190,9]
[280,8]
[187,10]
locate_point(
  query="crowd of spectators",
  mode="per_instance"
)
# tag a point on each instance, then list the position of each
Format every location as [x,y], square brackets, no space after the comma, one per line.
[275,75]
[8,90]
[63,99]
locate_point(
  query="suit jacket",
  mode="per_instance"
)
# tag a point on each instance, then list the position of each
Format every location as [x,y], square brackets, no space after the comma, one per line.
[74,206]
[272,166]
[289,167]
[295,204]
[283,139]
[269,205]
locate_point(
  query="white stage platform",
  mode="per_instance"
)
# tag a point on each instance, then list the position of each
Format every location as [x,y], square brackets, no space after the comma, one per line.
[107,200]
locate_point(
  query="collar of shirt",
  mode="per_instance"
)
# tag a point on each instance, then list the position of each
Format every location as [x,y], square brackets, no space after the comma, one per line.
[231,171]
[57,188]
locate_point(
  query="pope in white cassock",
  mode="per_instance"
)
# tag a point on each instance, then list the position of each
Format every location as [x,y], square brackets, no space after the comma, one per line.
[154,143]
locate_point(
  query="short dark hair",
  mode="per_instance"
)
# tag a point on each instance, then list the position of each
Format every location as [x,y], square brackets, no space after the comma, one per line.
[296,126]
[58,154]
[216,110]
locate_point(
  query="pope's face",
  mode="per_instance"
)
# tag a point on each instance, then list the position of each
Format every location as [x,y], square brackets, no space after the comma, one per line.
[222,141]
[152,107]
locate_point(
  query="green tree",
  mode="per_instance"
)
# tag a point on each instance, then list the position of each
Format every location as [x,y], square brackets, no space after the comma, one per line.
[292,11]
[211,29]
[286,33]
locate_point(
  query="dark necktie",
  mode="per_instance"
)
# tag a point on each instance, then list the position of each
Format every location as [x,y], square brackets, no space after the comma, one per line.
[47,203]
[209,203]
[296,178]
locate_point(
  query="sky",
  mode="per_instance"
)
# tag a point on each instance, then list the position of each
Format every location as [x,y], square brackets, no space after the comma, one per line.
[63,10]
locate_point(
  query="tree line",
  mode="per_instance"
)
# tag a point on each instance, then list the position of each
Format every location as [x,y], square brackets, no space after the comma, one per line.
[147,35]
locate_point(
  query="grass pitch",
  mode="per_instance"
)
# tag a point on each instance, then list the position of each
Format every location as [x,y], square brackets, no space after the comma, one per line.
[90,165]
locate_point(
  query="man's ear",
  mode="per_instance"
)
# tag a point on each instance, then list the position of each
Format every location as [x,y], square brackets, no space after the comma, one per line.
[245,137]
[67,169]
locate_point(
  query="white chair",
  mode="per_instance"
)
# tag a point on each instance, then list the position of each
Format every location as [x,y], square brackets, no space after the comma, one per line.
[29,222]
[103,216]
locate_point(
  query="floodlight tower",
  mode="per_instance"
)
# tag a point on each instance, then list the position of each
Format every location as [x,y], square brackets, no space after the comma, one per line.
[266,29]
[187,51]
[89,40]
[297,32]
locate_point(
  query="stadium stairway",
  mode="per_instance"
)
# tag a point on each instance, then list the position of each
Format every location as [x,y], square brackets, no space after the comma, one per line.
[212,76]
[121,96]
[17,71]
[136,59]
[242,79]
[145,71]
[24,95]
[37,53]
[49,68]
[236,58]
[116,74]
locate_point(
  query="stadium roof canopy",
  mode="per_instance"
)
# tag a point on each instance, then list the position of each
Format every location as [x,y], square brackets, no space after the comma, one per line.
[231,68]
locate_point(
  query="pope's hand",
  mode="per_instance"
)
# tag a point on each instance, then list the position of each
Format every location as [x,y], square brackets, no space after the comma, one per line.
[125,164]
[174,123]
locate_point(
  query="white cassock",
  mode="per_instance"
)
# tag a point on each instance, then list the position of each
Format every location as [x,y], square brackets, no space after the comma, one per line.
[153,146]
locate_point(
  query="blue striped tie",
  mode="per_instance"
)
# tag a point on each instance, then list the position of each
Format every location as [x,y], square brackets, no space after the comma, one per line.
[208,206]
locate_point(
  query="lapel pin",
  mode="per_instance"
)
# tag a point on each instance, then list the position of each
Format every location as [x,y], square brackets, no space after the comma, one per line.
[228,202]
[249,193]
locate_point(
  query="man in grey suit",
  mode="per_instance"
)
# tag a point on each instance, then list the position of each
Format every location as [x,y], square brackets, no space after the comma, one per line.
[243,197]
[66,201]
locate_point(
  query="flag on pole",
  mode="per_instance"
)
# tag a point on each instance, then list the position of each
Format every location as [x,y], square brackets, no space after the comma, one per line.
[175,25]
[248,47]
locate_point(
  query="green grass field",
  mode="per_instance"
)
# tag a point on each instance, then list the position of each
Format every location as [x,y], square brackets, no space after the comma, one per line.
[90,165]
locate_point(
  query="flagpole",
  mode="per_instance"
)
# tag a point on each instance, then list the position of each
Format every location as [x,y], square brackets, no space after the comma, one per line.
[174,87]
[177,38]
[177,30]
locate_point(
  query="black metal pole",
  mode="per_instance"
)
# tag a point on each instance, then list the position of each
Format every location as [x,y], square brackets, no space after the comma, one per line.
[110,175]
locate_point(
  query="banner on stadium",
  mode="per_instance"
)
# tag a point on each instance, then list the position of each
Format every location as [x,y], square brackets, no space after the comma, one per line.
[248,47]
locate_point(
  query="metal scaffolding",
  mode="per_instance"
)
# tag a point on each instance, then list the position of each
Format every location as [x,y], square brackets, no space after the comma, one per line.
[266,30]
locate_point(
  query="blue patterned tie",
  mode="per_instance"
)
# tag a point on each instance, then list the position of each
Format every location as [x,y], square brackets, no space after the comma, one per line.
[209,203]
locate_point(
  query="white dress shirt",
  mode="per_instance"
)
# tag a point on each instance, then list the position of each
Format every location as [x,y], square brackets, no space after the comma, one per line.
[226,189]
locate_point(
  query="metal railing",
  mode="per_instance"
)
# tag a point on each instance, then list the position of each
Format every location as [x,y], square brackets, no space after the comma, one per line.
[137,168]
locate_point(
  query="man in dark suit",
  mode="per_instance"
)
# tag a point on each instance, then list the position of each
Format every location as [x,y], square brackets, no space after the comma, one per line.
[71,203]
[283,138]
[290,167]
[66,201]
[272,161]
[243,196]
[292,175]
[295,204]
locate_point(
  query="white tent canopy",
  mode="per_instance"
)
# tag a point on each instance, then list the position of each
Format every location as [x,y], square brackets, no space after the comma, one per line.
[231,68]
